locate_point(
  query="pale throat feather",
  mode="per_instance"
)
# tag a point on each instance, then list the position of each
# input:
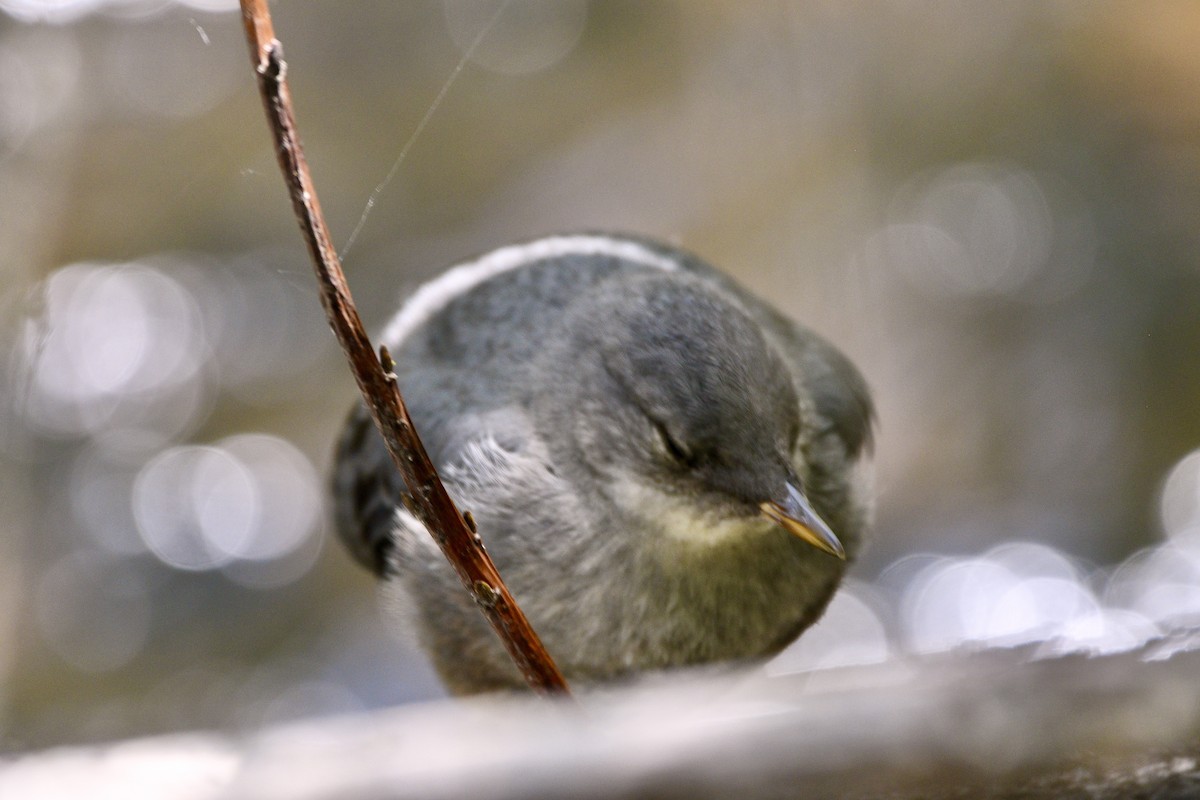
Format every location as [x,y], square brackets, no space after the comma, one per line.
[680,522]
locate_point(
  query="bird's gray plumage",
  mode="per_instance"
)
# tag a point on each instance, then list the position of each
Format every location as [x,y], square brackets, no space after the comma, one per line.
[612,411]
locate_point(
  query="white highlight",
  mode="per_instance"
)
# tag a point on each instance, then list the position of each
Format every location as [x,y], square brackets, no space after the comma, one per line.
[435,295]
[484,462]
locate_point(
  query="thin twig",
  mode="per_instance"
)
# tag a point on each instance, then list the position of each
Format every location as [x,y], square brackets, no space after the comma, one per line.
[430,502]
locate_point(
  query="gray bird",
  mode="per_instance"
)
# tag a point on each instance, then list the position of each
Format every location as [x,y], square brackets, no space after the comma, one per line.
[662,466]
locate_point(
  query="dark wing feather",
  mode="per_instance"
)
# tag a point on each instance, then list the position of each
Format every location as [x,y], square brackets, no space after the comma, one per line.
[366,488]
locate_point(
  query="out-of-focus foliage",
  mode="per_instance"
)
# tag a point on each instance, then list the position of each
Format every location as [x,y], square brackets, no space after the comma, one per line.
[993,207]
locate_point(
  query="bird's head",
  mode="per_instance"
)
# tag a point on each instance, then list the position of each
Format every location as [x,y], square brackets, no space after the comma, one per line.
[672,402]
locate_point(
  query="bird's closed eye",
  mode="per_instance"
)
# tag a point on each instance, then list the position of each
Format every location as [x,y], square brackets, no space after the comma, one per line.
[672,446]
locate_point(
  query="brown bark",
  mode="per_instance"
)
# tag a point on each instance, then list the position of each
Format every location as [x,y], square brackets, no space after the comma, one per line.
[430,502]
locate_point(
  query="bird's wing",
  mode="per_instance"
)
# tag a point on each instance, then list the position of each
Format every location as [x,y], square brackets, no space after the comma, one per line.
[366,489]
[837,388]
[480,457]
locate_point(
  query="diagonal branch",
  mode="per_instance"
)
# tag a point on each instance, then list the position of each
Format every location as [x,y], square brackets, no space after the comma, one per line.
[430,502]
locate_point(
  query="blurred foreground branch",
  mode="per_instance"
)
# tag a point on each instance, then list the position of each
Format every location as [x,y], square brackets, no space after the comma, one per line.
[430,502]
[991,724]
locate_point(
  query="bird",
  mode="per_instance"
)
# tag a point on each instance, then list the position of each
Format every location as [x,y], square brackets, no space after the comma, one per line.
[666,471]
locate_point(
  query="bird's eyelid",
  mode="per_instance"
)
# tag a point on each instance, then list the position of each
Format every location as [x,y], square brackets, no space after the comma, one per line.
[671,444]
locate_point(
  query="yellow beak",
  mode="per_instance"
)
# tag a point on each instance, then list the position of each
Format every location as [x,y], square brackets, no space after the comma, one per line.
[797,516]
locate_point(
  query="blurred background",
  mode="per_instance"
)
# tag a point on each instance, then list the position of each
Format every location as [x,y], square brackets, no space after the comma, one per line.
[994,208]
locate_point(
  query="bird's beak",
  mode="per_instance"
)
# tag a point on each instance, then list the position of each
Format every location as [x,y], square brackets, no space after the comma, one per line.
[797,516]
